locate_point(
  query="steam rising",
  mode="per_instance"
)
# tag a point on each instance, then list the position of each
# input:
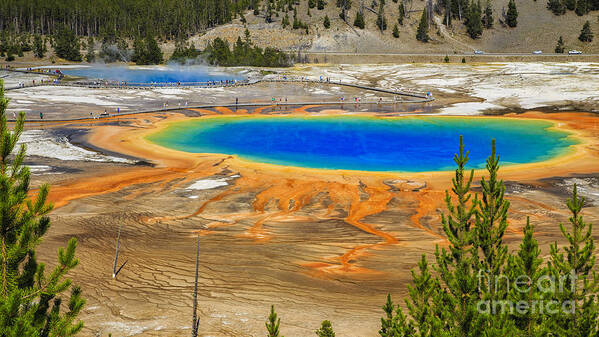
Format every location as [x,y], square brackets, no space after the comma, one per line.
[170,73]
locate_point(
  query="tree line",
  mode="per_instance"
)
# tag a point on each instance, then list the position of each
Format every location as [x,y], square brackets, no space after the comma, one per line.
[244,53]
[128,18]
[580,7]
[145,50]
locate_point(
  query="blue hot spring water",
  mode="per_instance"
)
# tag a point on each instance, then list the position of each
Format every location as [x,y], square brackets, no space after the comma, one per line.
[409,144]
[152,74]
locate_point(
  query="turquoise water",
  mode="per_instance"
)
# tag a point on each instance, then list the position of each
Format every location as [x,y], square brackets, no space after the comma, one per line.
[410,144]
[151,74]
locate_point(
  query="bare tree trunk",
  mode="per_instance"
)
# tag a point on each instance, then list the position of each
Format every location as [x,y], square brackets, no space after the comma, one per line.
[116,271]
[429,8]
[447,12]
[196,321]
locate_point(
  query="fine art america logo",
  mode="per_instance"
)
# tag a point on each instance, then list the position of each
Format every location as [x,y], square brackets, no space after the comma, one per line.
[548,287]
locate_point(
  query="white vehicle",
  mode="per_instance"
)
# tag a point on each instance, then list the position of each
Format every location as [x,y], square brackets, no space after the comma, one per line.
[479,52]
[575,52]
[537,52]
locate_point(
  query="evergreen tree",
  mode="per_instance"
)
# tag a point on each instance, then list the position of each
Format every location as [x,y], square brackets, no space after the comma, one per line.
[10,55]
[153,52]
[39,47]
[402,13]
[395,323]
[285,21]
[582,7]
[3,43]
[570,4]
[576,265]
[478,290]
[586,35]
[422,33]
[272,325]
[167,18]
[345,5]
[491,219]
[381,20]
[455,286]
[138,50]
[219,53]
[491,223]
[512,14]
[557,7]
[525,271]
[30,298]
[183,52]
[458,266]
[24,43]
[247,36]
[66,45]
[474,24]
[269,12]
[395,31]
[321,4]
[311,3]
[146,51]
[359,20]
[424,299]
[559,48]
[326,330]
[488,17]
[91,53]
[327,22]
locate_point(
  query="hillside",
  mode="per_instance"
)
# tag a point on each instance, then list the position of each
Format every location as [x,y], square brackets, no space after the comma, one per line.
[537,29]
[271,24]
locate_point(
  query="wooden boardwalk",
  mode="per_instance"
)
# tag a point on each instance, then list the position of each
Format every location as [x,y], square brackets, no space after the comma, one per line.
[416,97]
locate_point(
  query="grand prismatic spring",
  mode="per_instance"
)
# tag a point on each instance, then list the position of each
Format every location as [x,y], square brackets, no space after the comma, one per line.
[404,144]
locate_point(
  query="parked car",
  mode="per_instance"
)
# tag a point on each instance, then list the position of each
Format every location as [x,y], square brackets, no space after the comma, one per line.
[574,52]
[479,52]
[537,52]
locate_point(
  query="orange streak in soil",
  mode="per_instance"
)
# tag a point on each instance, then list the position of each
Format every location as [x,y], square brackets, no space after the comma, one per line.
[61,195]
[282,191]
[428,202]
[223,110]
[204,111]
[302,110]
